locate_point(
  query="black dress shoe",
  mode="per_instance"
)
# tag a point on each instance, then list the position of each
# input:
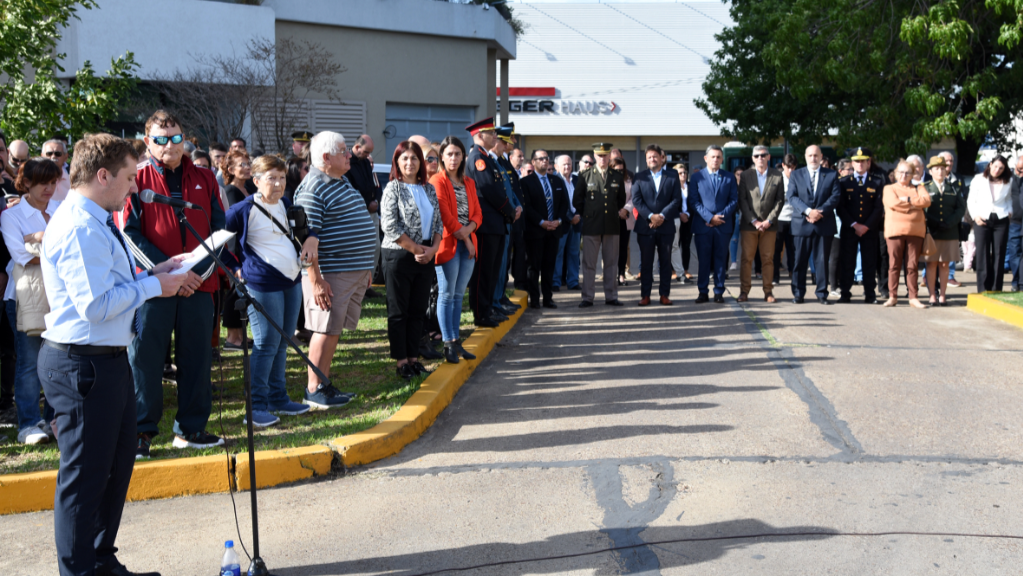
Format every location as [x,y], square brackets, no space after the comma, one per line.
[703,298]
[428,351]
[719,299]
[405,371]
[586,304]
[486,323]
[845,299]
[612,303]
[451,353]
[798,300]
[418,368]
[556,288]
[498,316]
[462,352]
[551,305]
[576,288]
[824,301]
[870,300]
[535,305]
[118,569]
[509,311]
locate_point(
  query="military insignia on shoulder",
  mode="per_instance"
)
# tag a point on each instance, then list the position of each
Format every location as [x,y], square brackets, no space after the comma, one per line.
[872,190]
[480,165]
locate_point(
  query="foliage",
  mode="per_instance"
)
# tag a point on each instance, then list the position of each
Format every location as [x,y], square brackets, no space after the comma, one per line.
[36,104]
[897,76]
[268,85]
[506,11]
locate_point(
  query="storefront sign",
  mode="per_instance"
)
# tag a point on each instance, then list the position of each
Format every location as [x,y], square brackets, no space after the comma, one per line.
[553,104]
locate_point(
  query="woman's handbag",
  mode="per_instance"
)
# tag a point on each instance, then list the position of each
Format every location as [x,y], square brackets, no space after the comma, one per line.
[965,231]
[928,248]
[289,233]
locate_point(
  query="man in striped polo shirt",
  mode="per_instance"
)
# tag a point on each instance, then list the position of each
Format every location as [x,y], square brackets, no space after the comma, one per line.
[341,243]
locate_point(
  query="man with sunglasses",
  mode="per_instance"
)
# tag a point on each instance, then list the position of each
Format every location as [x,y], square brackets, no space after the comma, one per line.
[18,154]
[57,150]
[154,235]
[585,163]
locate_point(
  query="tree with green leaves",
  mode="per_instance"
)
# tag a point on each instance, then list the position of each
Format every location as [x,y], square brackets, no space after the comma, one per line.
[897,76]
[36,104]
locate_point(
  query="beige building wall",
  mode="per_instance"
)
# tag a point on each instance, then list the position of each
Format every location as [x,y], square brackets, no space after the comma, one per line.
[401,68]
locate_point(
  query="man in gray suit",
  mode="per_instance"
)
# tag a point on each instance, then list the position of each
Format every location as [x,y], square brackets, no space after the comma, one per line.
[761,198]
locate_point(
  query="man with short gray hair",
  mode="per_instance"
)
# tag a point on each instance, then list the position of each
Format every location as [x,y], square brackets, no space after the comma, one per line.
[57,150]
[339,253]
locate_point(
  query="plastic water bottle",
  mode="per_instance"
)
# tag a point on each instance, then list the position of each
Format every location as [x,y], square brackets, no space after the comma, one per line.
[229,566]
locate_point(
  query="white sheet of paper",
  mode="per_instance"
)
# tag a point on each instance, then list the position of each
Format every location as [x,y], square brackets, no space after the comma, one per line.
[196,256]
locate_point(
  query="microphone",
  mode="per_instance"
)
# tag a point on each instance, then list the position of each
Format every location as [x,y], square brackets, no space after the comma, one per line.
[148,196]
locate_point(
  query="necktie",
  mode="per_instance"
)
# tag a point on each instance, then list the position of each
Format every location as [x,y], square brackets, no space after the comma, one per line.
[860,180]
[136,319]
[814,184]
[547,198]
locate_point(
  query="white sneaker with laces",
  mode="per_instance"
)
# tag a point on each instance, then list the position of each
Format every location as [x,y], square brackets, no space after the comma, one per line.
[33,435]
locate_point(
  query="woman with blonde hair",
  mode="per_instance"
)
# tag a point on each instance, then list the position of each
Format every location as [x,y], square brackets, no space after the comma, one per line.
[904,230]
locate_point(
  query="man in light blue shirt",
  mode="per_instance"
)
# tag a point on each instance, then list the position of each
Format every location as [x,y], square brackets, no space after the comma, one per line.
[94,293]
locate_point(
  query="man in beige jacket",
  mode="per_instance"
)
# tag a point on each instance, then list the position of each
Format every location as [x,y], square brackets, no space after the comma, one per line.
[761,196]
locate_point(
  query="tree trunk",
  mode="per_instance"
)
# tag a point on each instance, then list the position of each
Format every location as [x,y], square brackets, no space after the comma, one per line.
[966,156]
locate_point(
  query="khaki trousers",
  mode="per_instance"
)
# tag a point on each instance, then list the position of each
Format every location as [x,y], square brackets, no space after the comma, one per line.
[751,242]
[608,245]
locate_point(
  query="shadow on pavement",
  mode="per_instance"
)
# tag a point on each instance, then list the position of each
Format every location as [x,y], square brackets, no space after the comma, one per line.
[591,548]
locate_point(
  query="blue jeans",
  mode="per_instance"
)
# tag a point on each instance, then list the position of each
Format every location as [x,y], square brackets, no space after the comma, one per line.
[572,274]
[452,278]
[26,381]
[1013,253]
[270,351]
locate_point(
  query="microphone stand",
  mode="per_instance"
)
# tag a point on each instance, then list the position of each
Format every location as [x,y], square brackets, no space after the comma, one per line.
[258,567]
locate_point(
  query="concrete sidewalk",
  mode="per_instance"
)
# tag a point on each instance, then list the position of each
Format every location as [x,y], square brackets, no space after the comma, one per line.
[632,427]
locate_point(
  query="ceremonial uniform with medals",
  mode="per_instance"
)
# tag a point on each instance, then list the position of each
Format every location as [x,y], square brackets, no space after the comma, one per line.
[517,256]
[598,200]
[497,212]
[860,202]
[514,239]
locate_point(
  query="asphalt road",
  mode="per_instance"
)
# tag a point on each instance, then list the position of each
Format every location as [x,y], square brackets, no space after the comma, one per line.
[643,429]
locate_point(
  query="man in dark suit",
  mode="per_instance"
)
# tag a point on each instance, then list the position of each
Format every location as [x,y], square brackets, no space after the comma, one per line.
[861,212]
[545,209]
[762,195]
[497,211]
[657,200]
[713,199]
[814,194]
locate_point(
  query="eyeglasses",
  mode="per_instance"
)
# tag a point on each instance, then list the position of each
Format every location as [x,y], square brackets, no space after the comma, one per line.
[761,155]
[431,159]
[544,158]
[586,162]
[163,140]
[53,153]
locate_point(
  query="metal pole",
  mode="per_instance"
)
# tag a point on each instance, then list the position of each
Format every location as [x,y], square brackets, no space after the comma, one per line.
[504,90]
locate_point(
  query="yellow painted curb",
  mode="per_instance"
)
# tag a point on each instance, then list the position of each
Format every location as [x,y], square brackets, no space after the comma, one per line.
[33,491]
[275,467]
[29,492]
[993,308]
[420,411]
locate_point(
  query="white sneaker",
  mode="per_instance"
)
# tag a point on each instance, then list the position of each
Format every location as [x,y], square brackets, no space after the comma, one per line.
[732,267]
[33,435]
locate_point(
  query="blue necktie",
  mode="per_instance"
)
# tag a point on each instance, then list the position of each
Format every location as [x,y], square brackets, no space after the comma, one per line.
[547,197]
[136,320]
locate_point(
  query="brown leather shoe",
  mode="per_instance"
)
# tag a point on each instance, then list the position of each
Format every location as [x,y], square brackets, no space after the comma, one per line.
[645,301]
[742,298]
[769,299]
[665,301]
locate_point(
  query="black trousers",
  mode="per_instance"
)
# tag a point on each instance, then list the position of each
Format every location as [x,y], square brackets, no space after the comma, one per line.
[8,358]
[542,253]
[849,243]
[784,239]
[485,274]
[822,247]
[990,245]
[93,398]
[648,243]
[408,295]
[624,232]
[881,266]
[685,236]
[520,252]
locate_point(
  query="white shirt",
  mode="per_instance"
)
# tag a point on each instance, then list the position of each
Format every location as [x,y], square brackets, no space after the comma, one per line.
[63,186]
[267,240]
[426,210]
[786,214]
[657,178]
[762,179]
[813,177]
[569,190]
[16,223]
[984,200]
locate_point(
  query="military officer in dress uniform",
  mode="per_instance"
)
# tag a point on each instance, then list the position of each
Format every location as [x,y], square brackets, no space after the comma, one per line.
[497,212]
[861,212]
[515,253]
[300,140]
[601,199]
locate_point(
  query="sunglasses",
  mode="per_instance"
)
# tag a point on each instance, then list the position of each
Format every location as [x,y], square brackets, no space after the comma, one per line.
[587,162]
[18,161]
[163,140]
[761,155]
[51,154]
[544,158]
[431,159]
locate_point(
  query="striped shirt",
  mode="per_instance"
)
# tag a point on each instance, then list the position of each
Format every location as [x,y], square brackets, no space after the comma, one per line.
[338,217]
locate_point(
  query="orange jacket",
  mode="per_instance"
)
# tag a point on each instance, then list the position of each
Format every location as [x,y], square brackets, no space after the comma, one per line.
[450,214]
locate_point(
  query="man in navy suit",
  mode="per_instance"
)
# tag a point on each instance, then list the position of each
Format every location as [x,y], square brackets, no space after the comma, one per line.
[814,194]
[657,200]
[545,208]
[713,199]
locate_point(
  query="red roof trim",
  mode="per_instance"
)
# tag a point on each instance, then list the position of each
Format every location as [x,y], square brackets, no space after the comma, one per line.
[528,91]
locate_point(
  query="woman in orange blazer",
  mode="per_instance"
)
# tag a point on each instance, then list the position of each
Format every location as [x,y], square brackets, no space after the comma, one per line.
[460,214]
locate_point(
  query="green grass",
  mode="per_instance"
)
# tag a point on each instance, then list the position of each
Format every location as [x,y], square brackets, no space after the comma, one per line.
[1014,298]
[361,365]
